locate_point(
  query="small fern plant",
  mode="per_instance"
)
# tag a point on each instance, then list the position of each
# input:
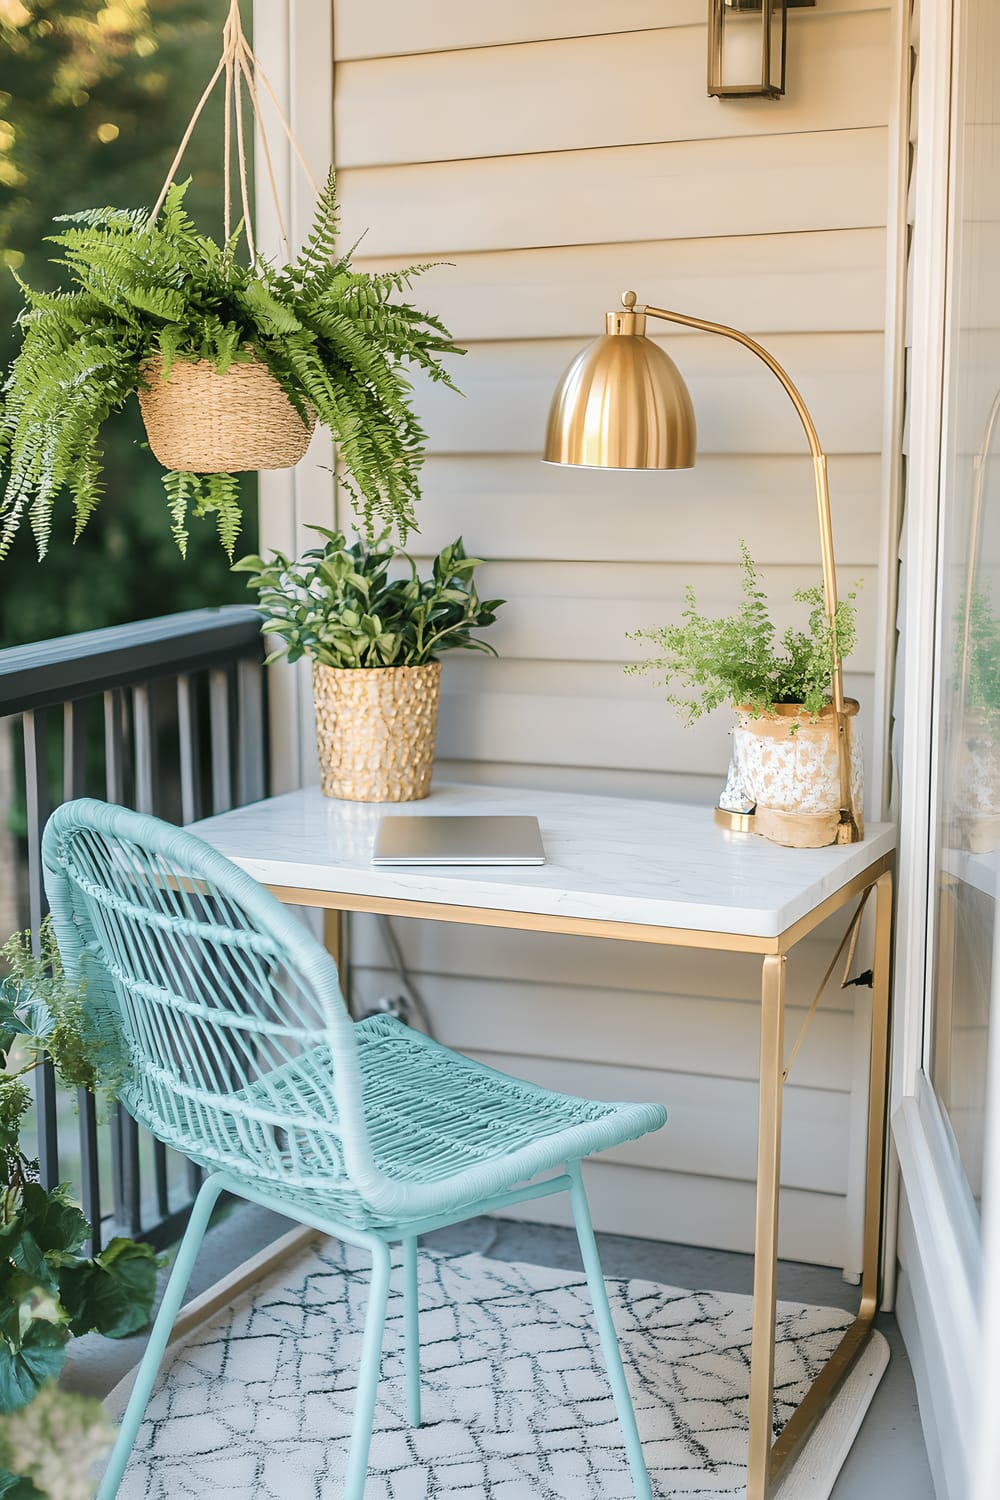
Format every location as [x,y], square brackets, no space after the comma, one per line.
[739,658]
[334,339]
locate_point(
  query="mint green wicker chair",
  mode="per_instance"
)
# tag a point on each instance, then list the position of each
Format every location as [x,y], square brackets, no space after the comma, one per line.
[242,1055]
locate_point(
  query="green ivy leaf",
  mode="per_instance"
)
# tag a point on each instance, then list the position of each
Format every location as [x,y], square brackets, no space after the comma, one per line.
[16,1487]
[29,1257]
[40,1358]
[11,1025]
[113,1293]
[53,1218]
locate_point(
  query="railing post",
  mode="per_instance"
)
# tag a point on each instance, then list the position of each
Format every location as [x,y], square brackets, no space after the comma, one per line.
[114,746]
[36,781]
[187,736]
[251,739]
[39,805]
[75,785]
[222,780]
[144,748]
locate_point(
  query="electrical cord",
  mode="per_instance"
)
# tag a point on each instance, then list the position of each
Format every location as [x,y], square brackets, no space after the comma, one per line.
[399,963]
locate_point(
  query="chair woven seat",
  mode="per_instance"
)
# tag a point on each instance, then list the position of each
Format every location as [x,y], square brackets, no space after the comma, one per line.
[434,1116]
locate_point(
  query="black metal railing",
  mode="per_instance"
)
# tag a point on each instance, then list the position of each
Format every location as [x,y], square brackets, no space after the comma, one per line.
[166,716]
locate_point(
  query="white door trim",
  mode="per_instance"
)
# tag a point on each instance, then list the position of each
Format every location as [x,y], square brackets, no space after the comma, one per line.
[293,40]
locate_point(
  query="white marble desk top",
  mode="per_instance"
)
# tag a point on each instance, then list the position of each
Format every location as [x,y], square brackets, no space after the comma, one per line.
[610,859]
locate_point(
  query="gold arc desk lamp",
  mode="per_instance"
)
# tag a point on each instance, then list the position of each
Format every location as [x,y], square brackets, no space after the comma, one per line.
[623,404]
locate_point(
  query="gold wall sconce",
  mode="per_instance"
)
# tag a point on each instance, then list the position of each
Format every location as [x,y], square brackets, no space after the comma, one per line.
[746,47]
[623,404]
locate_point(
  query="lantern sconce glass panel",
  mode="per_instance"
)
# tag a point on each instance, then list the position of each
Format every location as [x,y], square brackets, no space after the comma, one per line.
[746,47]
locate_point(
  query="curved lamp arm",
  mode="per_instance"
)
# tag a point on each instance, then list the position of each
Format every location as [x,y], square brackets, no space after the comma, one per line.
[849,829]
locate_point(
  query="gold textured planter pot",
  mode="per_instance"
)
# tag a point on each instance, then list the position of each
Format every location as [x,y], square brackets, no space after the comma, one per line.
[375,730]
[200,421]
[787,764]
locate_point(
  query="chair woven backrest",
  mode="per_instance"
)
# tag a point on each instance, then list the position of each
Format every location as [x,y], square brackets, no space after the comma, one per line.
[216,991]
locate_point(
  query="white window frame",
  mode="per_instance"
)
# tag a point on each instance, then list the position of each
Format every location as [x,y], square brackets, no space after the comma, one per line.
[949,1299]
[293,40]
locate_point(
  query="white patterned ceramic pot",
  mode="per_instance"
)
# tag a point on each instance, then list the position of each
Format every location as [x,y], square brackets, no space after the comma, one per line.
[375,730]
[786,768]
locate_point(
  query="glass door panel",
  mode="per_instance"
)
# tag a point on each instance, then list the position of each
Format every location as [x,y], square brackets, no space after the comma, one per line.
[967,862]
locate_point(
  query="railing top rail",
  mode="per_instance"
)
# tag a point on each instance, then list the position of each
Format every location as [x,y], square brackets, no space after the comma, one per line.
[56,671]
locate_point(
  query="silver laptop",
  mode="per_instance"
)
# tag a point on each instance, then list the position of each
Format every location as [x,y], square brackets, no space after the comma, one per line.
[457,839]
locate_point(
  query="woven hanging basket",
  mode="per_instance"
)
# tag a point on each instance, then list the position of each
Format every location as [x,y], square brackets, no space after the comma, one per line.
[206,423]
[375,731]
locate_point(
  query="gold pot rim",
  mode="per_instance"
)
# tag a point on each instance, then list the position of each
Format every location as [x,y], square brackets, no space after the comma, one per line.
[424,666]
[797,710]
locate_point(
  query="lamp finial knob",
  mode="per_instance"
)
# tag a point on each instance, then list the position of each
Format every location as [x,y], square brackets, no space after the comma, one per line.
[628,300]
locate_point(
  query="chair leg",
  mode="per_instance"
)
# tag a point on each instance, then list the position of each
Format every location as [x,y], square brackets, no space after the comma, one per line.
[411,1327]
[607,1334]
[159,1337]
[368,1374]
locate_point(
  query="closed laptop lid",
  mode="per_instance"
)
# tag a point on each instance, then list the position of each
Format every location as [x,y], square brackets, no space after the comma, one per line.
[428,839]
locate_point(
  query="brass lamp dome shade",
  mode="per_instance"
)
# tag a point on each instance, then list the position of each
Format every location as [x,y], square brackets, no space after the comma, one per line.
[622,404]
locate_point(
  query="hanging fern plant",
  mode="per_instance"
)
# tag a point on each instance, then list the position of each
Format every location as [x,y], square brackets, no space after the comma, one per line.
[148,291]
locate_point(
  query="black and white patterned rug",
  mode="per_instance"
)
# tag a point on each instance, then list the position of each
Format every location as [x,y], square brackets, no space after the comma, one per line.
[257,1402]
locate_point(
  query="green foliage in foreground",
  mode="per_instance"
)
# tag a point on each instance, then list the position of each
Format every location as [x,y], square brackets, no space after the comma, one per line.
[739,659]
[331,336]
[48,1290]
[338,605]
[51,1446]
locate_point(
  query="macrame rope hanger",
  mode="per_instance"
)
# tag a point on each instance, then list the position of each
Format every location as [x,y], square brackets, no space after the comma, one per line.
[239,66]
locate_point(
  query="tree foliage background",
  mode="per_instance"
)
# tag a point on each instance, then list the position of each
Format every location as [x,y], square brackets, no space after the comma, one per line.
[94,97]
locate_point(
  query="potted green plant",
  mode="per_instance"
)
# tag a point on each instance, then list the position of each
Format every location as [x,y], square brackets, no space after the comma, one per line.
[785,762]
[374,639]
[48,1290]
[233,363]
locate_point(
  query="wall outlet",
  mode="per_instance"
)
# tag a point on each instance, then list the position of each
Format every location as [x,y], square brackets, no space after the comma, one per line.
[390,1005]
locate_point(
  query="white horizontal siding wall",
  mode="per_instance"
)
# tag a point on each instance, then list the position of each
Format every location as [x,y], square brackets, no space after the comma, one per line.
[554,155]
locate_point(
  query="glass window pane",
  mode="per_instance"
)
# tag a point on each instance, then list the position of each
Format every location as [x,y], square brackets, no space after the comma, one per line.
[968,723]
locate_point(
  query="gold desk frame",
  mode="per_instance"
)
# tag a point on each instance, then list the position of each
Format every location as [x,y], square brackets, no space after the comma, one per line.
[766,1459]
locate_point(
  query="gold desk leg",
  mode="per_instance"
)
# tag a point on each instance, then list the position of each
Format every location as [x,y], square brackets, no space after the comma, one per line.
[878,1101]
[335,942]
[765,1265]
[824,1387]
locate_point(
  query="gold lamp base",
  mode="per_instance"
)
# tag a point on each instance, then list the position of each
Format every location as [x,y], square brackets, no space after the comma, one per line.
[735,822]
[794,830]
